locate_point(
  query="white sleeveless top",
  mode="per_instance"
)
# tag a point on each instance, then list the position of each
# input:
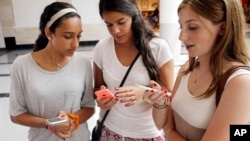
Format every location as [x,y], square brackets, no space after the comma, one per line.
[192,115]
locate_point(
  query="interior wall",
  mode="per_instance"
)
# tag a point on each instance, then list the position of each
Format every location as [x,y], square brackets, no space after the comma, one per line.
[20,19]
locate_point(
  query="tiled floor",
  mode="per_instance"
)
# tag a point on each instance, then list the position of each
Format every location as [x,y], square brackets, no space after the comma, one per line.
[8,130]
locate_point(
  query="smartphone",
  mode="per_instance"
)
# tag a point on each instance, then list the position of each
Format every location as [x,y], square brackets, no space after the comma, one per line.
[104,93]
[56,121]
[145,88]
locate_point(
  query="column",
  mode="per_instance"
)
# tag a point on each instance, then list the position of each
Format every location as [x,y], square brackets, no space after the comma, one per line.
[2,43]
[169,26]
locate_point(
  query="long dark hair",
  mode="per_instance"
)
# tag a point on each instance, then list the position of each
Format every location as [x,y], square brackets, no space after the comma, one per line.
[48,12]
[142,33]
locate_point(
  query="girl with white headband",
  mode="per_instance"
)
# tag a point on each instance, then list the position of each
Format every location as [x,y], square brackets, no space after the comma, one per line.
[54,80]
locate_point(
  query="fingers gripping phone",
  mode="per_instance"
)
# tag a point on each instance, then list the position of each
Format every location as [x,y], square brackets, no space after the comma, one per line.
[56,121]
[104,93]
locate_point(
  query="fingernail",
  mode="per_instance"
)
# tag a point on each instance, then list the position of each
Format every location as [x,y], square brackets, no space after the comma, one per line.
[152,91]
[154,84]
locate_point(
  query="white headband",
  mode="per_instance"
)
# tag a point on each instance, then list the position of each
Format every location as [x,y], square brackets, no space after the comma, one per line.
[60,14]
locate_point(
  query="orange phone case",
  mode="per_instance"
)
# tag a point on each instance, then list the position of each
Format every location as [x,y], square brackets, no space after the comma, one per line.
[104,93]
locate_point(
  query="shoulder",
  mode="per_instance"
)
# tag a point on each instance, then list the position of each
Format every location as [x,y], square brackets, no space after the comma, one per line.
[181,72]
[237,86]
[81,57]
[239,79]
[108,40]
[22,59]
[242,73]
[21,63]
[104,45]
[159,45]
[158,41]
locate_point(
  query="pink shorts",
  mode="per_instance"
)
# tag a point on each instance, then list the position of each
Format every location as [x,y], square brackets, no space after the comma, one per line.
[108,135]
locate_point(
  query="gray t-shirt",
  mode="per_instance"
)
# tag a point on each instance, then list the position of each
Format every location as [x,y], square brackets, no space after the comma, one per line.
[44,94]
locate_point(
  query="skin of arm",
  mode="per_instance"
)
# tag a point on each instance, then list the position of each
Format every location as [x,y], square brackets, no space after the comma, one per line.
[168,125]
[167,75]
[167,78]
[169,129]
[99,83]
[29,120]
[85,113]
[232,109]
[98,78]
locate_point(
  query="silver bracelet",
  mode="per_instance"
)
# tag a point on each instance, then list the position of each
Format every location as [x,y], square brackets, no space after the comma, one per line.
[163,106]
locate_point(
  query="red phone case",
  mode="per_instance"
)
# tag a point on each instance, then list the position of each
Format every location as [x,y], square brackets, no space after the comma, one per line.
[104,93]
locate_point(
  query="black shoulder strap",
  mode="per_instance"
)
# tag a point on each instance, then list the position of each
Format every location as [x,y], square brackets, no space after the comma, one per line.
[224,78]
[122,82]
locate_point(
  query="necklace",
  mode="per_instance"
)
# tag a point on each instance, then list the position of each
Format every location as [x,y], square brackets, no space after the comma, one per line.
[49,60]
[197,78]
[195,75]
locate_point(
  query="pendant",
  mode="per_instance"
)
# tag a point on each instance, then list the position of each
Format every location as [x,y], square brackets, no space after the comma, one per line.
[58,67]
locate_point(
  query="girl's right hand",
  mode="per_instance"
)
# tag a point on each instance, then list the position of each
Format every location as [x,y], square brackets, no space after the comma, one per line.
[105,103]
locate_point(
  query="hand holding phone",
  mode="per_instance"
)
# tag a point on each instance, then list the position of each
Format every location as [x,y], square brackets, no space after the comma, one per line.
[104,93]
[56,121]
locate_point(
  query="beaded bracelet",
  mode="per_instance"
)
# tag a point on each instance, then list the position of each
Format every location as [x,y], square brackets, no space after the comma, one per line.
[47,126]
[163,106]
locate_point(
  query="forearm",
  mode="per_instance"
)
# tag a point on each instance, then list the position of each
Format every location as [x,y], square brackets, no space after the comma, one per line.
[85,113]
[159,116]
[27,119]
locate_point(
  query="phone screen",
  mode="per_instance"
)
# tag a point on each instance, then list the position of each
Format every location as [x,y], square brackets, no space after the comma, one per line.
[54,119]
[57,120]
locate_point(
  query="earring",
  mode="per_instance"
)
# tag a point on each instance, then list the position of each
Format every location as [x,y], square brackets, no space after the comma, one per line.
[49,38]
[221,33]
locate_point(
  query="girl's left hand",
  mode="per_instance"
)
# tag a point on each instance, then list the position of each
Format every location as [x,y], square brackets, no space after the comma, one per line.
[64,130]
[129,95]
[159,95]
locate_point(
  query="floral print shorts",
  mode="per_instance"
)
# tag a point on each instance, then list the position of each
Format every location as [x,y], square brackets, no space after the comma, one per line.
[108,135]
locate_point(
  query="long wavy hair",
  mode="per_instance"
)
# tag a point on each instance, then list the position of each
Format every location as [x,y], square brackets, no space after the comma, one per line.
[231,46]
[48,12]
[141,32]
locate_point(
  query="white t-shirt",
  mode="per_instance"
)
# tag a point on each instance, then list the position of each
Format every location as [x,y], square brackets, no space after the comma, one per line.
[135,121]
[44,94]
